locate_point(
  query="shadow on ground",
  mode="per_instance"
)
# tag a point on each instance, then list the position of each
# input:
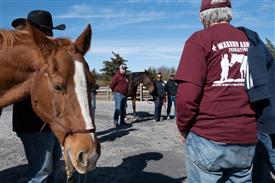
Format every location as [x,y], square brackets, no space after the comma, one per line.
[131,170]
[19,174]
[114,135]
[142,117]
[14,175]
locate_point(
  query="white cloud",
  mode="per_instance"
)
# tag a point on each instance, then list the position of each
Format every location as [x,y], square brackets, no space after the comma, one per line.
[143,52]
[111,17]
[130,46]
[84,11]
[115,16]
[183,26]
[267,6]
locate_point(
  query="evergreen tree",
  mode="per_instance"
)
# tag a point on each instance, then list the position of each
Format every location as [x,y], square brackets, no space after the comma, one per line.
[165,71]
[153,72]
[270,47]
[95,74]
[110,67]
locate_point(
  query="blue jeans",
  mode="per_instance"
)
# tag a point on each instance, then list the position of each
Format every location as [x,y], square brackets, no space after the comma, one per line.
[264,159]
[171,100]
[120,107]
[43,153]
[209,161]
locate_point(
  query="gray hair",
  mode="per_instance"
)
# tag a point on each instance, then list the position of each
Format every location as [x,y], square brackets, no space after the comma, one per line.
[216,15]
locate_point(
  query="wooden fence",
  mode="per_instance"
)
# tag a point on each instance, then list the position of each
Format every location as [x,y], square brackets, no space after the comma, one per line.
[106,94]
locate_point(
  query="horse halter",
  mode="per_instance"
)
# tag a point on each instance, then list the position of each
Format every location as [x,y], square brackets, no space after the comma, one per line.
[71,132]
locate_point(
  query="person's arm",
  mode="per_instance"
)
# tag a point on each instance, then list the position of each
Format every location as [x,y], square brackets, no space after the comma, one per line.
[190,76]
[155,92]
[187,106]
[114,83]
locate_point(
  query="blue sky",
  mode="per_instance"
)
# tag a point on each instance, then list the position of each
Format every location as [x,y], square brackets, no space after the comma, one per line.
[146,33]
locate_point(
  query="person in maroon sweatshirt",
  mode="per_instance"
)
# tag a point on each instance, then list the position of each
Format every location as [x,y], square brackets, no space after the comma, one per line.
[214,116]
[119,86]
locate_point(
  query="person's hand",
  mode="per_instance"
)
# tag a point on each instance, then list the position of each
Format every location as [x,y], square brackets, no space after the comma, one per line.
[183,136]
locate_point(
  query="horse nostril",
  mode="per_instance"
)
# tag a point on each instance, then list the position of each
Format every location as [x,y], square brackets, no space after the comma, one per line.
[82,159]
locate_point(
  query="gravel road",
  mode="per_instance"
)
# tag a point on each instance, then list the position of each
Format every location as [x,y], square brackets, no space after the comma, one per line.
[144,151]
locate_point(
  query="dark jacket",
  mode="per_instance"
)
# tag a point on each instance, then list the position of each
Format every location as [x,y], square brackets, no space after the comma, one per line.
[262,69]
[160,89]
[25,120]
[119,83]
[171,87]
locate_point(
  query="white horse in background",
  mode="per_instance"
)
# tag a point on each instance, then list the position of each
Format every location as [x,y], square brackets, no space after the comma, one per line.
[242,59]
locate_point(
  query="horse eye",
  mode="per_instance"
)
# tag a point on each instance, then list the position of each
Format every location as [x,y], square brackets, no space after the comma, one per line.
[59,88]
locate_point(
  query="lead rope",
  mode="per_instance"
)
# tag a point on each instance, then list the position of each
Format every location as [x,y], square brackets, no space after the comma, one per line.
[42,127]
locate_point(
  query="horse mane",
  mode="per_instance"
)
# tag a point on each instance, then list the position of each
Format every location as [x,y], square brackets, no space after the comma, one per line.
[62,41]
[9,37]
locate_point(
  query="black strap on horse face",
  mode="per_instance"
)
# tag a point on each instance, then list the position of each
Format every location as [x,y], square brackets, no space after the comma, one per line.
[72,132]
[68,132]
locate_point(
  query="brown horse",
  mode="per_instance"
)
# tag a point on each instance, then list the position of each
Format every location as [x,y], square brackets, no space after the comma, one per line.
[135,78]
[55,75]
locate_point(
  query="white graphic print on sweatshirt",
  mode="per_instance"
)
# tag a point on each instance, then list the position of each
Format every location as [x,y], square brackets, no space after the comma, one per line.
[235,56]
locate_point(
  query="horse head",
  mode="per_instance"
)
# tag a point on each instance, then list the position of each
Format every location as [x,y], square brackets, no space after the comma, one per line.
[148,81]
[60,92]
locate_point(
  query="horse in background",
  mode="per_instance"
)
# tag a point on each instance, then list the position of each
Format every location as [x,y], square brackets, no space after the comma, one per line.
[55,75]
[134,79]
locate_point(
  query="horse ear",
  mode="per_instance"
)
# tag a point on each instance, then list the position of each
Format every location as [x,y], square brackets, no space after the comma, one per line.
[145,70]
[46,45]
[84,40]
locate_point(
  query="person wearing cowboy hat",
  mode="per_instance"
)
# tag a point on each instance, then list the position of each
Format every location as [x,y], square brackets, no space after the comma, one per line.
[40,19]
[41,146]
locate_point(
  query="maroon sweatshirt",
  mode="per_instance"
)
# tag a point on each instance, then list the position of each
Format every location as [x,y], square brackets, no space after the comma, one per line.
[211,98]
[119,83]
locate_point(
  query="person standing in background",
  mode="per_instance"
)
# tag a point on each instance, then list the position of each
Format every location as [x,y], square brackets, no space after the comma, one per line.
[119,86]
[159,96]
[171,87]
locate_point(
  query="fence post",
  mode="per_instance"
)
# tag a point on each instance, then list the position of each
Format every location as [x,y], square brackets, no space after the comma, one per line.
[107,93]
[94,103]
[141,92]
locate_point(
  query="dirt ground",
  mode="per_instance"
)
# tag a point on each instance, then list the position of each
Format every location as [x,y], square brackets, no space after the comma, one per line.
[144,151]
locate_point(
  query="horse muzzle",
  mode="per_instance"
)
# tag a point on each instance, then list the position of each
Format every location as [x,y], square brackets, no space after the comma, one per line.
[86,162]
[83,158]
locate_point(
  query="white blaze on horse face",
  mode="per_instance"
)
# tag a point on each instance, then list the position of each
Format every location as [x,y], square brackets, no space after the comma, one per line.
[82,94]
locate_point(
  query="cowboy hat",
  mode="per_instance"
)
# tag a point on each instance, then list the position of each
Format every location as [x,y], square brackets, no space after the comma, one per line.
[40,19]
